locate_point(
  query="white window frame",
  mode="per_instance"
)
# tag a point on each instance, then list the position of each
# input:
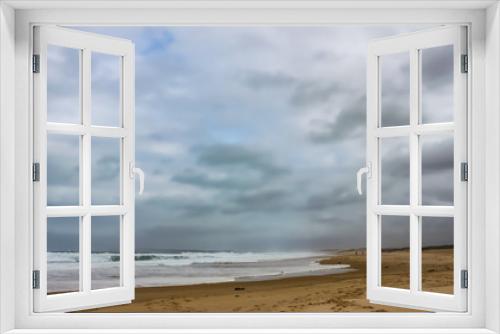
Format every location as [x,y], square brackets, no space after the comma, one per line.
[16,213]
[412,44]
[86,43]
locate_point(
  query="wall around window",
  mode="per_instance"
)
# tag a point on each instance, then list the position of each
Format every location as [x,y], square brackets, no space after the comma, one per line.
[7,168]
[479,172]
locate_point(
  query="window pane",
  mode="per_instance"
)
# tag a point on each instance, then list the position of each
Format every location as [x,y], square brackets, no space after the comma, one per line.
[437,84]
[395,89]
[63,255]
[105,252]
[63,170]
[437,254]
[63,84]
[105,171]
[437,169]
[395,235]
[106,89]
[395,170]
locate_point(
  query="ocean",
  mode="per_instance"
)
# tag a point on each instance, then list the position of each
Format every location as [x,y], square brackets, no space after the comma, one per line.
[187,267]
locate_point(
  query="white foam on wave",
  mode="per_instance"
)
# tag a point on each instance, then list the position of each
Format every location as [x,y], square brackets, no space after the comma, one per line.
[192,267]
[186,258]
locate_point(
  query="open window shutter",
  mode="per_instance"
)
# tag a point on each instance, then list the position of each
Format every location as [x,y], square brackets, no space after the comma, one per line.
[411,120]
[101,232]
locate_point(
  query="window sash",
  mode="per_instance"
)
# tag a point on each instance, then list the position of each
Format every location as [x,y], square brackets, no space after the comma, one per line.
[86,297]
[414,296]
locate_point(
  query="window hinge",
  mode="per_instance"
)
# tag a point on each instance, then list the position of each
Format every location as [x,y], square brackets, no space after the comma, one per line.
[464,171]
[465,63]
[464,279]
[36,172]
[36,63]
[36,279]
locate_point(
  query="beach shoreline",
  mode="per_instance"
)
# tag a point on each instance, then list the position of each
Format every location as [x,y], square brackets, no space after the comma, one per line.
[340,292]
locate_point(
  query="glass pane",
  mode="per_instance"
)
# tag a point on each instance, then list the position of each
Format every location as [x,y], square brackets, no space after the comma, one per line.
[105,252]
[437,169]
[105,171]
[395,170]
[63,84]
[395,89]
[437,84]
[63,255]
[63,170]
[395,235]
[437,254]
[106,89]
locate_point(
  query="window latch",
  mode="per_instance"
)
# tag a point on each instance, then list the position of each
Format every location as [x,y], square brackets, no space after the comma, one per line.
[139,172]
[365,170]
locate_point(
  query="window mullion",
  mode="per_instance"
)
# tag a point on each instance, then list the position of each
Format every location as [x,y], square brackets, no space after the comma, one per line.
[414,171]
[85,233]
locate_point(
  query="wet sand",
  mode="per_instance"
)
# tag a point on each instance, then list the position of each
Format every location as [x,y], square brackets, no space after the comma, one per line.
[345,292]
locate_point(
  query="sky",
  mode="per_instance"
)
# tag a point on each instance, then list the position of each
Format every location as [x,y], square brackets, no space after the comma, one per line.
[250,137]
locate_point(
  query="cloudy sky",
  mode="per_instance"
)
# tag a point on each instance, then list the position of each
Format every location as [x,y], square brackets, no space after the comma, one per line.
[250,138]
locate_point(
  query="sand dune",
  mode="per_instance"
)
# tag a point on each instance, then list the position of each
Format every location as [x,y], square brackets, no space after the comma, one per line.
[329,293]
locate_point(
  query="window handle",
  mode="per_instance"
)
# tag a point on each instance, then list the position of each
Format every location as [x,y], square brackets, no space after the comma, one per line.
[139,172]
[365,170]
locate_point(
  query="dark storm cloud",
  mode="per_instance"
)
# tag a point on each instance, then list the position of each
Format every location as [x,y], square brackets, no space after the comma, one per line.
[230,168]
[395,90]
[395,112]
[437,170]
[105,167]
[332,232]
[437,154]
[349,123]
[437,67]
[172,236]
[200,179]
[63,234]
[259,201]
[333,198]
[239,233]
[437,187]
[62,159]
[63,175]
[153,211]
[395,232]
[230,236]
[60,174]
[395,170]
[225,155]
[312,93]
[105,234]
[437,231]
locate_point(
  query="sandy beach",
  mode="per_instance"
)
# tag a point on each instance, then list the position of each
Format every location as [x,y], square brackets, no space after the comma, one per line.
[343,292]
